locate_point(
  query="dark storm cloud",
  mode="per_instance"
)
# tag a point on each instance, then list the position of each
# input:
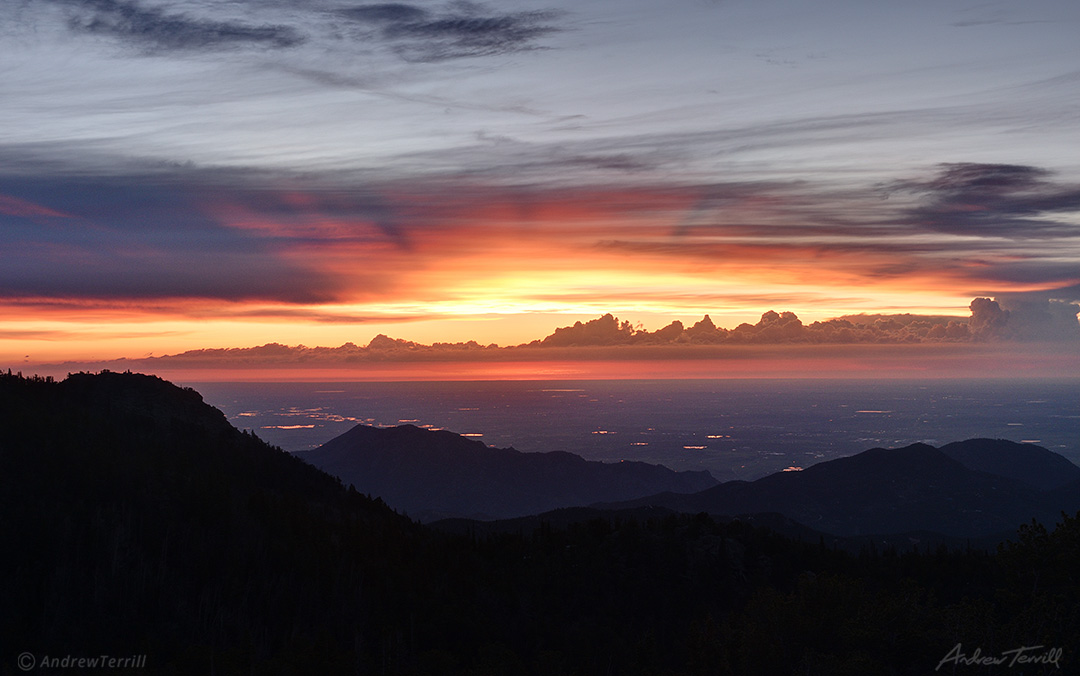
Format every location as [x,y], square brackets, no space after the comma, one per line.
[994,200]
[464,29]
[157,30]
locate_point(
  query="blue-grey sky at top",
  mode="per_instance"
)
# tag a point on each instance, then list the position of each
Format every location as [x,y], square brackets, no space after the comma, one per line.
[691,86]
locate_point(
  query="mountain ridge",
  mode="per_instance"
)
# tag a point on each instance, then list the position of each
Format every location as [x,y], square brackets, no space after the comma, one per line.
[433,474]
[976,488]
[1038,467]
[914,488]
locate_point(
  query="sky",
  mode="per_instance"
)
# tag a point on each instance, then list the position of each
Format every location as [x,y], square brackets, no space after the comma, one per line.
[194,174]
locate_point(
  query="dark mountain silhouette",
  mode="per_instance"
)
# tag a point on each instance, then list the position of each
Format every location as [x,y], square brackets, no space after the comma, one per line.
[1068,496]
[438,474]
[881,491]
[137,521]
[771,521]
[1028,463]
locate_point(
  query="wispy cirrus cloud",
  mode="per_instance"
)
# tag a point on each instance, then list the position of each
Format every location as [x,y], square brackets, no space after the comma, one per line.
[458,30]
[416,33]
[154,29]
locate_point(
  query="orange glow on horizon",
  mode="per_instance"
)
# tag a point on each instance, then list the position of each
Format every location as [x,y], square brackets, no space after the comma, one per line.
[771,362]
[495,265]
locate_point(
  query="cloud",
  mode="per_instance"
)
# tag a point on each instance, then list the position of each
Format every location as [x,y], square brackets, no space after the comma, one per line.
[56,335]
[1021,317]
[994,200]
[386,13]
[139,239]
[988,320]
[156,30]
[310,315]
[1026,320]
[463,29]
[1055,322]
[437,244]
[13,206]
[119,273]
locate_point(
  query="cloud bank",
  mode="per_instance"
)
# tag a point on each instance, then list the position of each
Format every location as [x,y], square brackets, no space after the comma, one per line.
[1049,321]
[607,338]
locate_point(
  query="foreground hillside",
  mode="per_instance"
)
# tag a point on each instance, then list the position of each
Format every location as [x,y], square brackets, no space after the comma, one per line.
[137,521]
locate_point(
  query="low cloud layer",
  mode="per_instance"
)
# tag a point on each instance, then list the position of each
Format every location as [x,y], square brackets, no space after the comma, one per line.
[1048,321]
[839,343]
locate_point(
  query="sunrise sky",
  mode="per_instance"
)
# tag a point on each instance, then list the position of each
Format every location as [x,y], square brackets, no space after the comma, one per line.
[191,174]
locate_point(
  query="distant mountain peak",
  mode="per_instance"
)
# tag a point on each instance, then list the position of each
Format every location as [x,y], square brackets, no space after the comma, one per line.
[1032,464]
[433,474]
[972,488]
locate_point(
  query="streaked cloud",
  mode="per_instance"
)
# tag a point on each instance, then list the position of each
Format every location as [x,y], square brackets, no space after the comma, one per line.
[155,29]
[149,241]
[458,30]
[998,200]
[417,33]
[194,235]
